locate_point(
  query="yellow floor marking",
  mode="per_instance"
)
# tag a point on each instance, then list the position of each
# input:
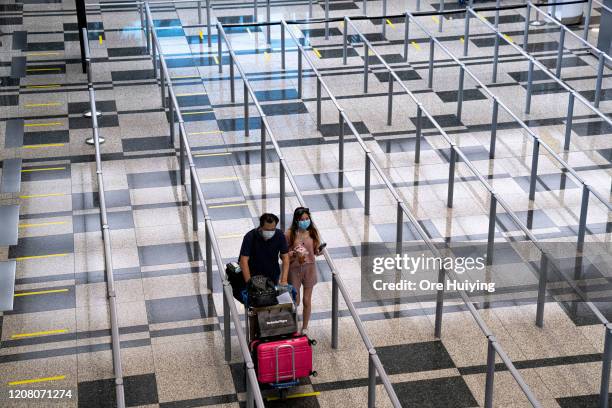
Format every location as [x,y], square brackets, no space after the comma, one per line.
[25,258]
[196,113]
[42,195]
[191,94]
[302,395]
[317,53]
[40,54]
[212,154]
[415,45]
[45,169]
[201,35]
[390,24]
[37,380]
[42,69]
[267,56]
[37,105]
[462,39]
[42,224]
[215,179]
[228,236]
[216,59]
[341,24]
[507,37]
[42,146]
[481,17]
[41,292]
[43,86]
[209,132]
[100,39]
[228,205]
[370,52]
[40,333]
[434,18]
[43,124]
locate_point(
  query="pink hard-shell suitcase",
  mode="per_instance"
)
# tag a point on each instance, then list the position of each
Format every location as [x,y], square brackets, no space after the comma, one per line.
[284,360]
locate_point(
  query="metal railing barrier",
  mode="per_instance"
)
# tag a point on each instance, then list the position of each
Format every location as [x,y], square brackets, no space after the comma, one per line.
[108,256]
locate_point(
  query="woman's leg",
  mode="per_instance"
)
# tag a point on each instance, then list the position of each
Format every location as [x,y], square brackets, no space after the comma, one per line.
[307,307]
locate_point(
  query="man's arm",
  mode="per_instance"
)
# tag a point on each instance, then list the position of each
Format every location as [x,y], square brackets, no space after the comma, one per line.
[244,266]
[285,271]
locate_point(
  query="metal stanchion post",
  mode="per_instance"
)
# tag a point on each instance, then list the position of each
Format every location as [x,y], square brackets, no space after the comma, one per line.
[417,135]
[494,115]
[263,147]
[232,86]
[560,53]
[366,207]
[154,48]
[268,28]
[181,155]
[491,232]
[441,16]
[345,41]
[341,141]
[384,19]
[255,11]
[526,29]
[587,20]
[497,5]
[490,373]
[399,231]
[300,73]
[451,176]
[390,101]
[171,114]
[537,22]
[282,36]
[534,169]
[366,65]
[281,179]
[439,306]
[605,368]
[327,19]
[226,326]
[364,6]
[431,63]
[208,29]
[318,103]
[208,253]
[495,57]
[600,69]
[582,223]
[246,109]
[460,92]
[219,48]
[418,5]
[194,197]
[568,121]
[542,290]
[529,86]
[163,86]
[466,32]
[371,380]
[310,9]
[249,387]
[406,35]
[335,312]
[199,12]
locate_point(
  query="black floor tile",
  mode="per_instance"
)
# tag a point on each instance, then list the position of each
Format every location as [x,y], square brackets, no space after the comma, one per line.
[276,94]
[49,136]
[139,390]
[581,401]
[43,245]
[169,253]
[414,357]
[320,32]
[90,200]
[340,6]
[332,129]
[546,182]
[404,75]
[468,95]
[291,108]
[177,309]
[45,302]
[443,120]
[333,201]
[91,222]
[153,179]
[450,392]
[402,144]
[140,144]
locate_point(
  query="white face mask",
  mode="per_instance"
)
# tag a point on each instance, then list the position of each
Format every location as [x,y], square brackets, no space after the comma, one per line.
[266,235]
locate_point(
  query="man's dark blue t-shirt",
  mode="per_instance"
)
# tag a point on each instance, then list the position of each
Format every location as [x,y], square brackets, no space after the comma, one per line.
[263,255]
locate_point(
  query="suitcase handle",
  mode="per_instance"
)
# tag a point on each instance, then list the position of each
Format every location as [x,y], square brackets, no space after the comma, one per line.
[278,348]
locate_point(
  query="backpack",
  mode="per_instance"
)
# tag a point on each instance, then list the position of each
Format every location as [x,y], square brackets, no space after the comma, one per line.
[261,291]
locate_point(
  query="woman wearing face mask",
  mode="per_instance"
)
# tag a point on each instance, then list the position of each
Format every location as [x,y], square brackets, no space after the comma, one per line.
[303,242]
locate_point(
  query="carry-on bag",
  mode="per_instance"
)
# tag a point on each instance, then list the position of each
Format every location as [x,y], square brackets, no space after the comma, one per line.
[261,291]
[282,361]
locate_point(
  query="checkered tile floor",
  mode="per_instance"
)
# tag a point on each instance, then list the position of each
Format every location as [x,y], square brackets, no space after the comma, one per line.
[170,310]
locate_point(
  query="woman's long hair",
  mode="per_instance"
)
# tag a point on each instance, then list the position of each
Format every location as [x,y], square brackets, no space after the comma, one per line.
[312,230]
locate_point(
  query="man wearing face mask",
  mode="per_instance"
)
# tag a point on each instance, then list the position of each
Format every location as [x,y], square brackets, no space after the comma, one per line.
[260,250]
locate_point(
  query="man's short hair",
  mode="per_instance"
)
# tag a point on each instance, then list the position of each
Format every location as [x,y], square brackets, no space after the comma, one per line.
[267,218]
